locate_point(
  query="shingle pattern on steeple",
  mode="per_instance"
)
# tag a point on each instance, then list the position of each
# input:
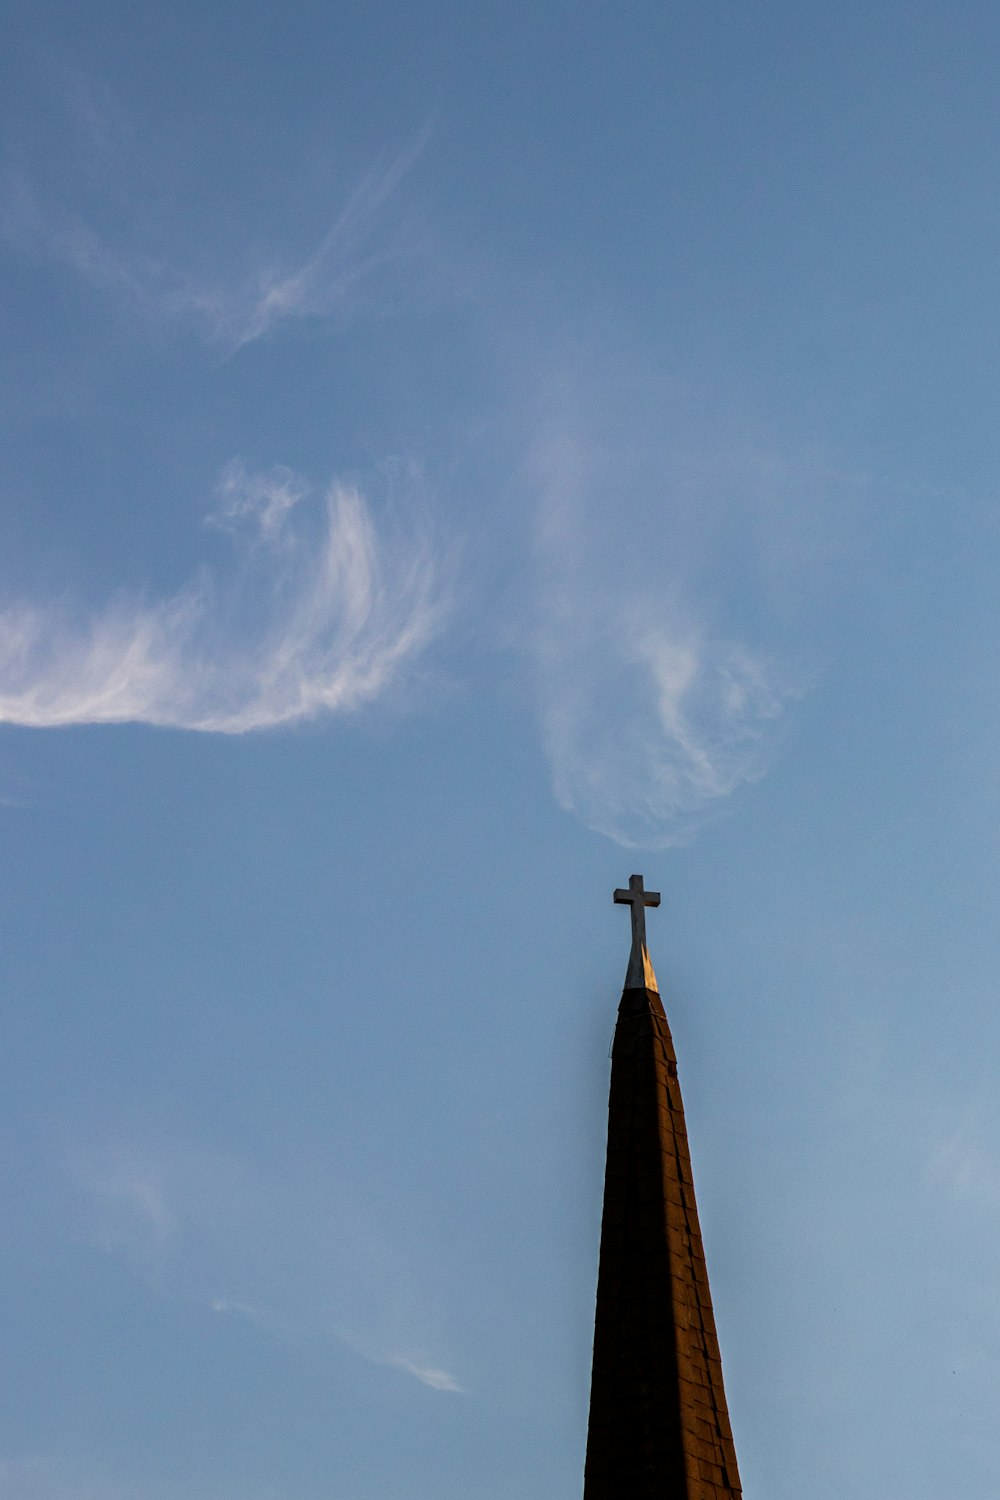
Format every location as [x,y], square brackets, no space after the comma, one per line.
[659,1425]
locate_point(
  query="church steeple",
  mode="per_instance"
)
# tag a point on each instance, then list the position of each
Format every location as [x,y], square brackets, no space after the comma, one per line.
[659,1425]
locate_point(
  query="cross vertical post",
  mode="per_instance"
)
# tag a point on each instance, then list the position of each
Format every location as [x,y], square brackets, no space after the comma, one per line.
[640,971]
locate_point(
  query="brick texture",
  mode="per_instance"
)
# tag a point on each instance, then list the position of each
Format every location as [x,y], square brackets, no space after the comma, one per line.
[659,1426]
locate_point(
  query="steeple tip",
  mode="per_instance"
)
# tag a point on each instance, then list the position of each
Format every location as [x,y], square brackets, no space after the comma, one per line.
[639,974]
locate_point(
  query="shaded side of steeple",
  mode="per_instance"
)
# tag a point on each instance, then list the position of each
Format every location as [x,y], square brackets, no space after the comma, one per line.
[659,1425]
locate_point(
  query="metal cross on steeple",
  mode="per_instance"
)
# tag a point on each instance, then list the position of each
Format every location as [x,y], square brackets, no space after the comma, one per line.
[640,971]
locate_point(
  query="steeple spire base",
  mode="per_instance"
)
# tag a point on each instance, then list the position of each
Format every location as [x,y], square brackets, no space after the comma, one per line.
[659,1426]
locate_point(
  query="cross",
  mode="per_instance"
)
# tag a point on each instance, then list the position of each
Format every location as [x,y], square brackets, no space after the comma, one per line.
[638,899]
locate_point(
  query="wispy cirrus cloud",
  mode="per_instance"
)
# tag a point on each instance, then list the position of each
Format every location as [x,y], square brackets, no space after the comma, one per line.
[364,240]
[437,1380]
[357,245]
[649,730]
[321,614]
[652,712]
[294,1250]
[966,1161]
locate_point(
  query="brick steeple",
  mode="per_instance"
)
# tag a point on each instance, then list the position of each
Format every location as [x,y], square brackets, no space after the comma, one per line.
[659,1426]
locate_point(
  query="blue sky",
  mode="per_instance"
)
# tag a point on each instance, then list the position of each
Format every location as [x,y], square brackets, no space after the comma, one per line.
[454,457]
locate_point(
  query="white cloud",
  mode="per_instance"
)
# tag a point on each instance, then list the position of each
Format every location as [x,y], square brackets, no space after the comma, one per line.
[261,1317]
[965,1164]
[234,309]
[646,736]
[353,248]
[319,618]
[227,1305]
[130,1215]
[650,718]
[294,1248]
[261,500]
[438,1380]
